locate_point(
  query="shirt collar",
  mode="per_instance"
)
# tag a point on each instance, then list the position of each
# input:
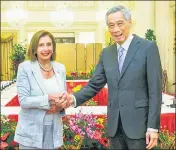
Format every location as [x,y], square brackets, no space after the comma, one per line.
[127,43]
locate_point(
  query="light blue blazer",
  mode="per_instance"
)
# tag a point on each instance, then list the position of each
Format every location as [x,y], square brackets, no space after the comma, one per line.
[33,99]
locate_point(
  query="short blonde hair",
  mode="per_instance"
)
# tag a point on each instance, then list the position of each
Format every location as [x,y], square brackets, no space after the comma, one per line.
[34,44]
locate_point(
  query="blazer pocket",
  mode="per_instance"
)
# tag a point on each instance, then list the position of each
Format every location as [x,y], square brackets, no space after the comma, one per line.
[141,103]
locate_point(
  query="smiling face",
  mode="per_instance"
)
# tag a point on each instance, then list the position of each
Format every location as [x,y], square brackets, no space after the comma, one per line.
[119,27]
[45,48]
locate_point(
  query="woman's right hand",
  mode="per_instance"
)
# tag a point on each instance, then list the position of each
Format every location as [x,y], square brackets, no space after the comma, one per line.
[59,99]
[54,109]
[53,98]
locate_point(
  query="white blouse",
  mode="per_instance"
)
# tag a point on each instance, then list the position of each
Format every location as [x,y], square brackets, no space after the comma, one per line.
[52,87]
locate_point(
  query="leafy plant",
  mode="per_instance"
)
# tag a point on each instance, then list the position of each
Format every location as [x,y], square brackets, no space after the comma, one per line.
[19,53]
[167,139]
[111,41]
[149,35]
[92,69]
[17,56]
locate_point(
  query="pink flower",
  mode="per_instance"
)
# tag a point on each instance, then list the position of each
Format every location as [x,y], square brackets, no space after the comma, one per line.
[73,128]
[97,135]
[13,143]
[3,145]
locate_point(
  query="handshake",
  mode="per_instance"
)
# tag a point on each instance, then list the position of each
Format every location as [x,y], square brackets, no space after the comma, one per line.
[59,101]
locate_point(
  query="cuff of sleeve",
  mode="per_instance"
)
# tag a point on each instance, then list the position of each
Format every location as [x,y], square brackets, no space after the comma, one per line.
[45,104]
[152,130]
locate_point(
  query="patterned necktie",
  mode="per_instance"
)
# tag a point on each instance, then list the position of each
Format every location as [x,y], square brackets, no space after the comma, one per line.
[120,57]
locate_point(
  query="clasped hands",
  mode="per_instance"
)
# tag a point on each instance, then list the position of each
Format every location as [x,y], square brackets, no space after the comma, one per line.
[59,101]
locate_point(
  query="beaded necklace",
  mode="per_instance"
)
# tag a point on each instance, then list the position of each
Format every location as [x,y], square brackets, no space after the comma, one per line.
[44,69]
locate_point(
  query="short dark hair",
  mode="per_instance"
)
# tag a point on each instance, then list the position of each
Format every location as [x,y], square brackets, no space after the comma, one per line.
[34,44]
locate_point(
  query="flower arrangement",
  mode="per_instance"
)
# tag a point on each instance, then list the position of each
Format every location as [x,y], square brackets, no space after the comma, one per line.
[77,75]
[80,75]
[7,133]
[78,128]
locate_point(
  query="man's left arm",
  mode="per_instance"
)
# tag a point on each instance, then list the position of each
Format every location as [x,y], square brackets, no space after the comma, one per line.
[154,80]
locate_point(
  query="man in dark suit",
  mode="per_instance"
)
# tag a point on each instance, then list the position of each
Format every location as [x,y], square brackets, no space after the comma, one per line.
[132,70]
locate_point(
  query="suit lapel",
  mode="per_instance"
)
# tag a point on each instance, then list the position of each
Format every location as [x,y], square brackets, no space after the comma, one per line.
[134,46]
[38,76]
[114,60]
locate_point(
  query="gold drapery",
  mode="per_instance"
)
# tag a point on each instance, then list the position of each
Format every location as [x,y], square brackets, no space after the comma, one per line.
[6,50]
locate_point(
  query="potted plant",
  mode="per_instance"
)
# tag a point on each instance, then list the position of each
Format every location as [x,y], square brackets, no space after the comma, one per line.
[17,56]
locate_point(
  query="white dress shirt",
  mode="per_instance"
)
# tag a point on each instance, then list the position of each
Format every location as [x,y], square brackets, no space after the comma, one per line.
[125,45]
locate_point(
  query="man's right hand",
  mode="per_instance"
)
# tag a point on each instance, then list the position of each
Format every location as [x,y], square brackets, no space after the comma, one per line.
[70,99]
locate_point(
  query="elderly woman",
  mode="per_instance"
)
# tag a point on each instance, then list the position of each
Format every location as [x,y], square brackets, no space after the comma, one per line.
[41,84]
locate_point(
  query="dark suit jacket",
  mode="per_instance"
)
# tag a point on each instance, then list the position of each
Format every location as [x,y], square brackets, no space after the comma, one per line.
[135,94]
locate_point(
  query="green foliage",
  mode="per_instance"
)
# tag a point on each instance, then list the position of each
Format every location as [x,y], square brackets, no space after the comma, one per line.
[149,35]
[92,69]
[18,53]
[7,126]
[167,139]
[111,41]
[17,56]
